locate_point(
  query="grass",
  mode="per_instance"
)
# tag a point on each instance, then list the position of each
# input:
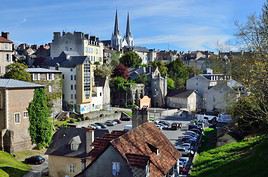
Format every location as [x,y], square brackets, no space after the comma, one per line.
[129,113]
[239,159]
[9,166]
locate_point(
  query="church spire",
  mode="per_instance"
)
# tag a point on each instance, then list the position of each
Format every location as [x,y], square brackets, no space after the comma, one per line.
[128,33]
[116,28]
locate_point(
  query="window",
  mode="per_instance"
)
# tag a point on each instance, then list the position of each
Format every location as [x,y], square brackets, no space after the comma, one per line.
[71,69]
[63,76]
[71,77]
[72,97]
[74,77]
[17,118]
[72,87]
[8,58]
[100,93]
[50,76]
[49,88]
[72,168]
[35,76]
[25,114]
[63,96]
[115,168]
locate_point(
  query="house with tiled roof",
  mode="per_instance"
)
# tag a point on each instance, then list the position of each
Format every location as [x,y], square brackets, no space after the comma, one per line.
[143,151]
[6,52]
[15,97]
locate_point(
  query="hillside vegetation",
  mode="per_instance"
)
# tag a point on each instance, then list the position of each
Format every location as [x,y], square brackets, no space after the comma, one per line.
[10,167]
[245,158]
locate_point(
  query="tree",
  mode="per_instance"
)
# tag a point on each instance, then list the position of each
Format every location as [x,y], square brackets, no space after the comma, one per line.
[161,67]
[143,79]
[178,72]
[40,127]
[115,59]
[131,59]
[170,84]
[17,71]
[121,70]
[103,71]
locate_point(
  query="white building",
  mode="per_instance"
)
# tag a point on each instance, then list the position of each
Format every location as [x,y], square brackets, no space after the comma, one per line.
[188,100]
[78,42]
[223,95]
[6,52]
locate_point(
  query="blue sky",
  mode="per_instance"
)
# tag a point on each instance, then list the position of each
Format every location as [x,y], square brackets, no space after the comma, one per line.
[161,24]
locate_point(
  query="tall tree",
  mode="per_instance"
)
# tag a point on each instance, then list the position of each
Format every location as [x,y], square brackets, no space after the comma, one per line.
[161,67]
[121,70]
[17,71]
[40,127]
[131,59]
[178,72]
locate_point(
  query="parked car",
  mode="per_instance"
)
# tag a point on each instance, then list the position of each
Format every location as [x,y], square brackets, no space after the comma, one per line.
[110,123]
[94,126]
[103,126]
[125,118]
[117,121]
[192,138]
[183,150]
[184,161]
[127,127]
[164,122]
[198,131]
[195,127]
[175,126]
[36,160]
[191,133]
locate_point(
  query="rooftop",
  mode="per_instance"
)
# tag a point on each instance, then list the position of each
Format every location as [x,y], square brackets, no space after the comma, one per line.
[42,70]
[12,83]
[4,40]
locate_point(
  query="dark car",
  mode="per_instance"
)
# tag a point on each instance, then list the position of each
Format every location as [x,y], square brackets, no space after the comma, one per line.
[125,118]
[175,126]
[36,160]
[101,125]
[164,122]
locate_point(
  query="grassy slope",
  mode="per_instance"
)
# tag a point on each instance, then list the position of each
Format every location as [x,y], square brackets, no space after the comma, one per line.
[240,159]
[9,166]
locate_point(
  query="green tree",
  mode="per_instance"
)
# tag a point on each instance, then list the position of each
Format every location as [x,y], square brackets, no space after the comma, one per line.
[170,84]
[178,72]
[131,59]
[161,67]
[115,59]
[143,79]
[17,71]
[103,71]
[40,127]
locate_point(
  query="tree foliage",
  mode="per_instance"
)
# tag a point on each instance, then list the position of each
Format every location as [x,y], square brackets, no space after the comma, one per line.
[121,84]
[17,71]
[178,72]
[121,70]
[143,79]
[170,84]
[161,67]
[40,127]
[103,71]
[131,59]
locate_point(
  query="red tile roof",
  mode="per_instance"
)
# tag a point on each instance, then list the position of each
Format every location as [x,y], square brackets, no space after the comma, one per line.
[4,40]
[138,140]
[137,160]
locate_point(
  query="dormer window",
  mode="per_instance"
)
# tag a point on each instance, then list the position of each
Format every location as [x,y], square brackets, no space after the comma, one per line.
[74,143]
[153,148]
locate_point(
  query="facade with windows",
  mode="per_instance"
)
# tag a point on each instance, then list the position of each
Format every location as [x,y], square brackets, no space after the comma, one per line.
[15,97]
[52,80]
[6,52]
[78,42]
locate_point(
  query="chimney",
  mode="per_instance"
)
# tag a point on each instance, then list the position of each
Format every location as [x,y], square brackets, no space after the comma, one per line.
[89,139]
[139,116]
[5,34]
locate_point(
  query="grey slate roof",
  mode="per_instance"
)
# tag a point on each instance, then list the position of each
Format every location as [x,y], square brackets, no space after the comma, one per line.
[12,83]
[60,145]
[183,94]
[42,70]
[68,63]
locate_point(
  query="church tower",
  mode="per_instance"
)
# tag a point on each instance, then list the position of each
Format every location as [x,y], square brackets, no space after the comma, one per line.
[116,41]
[128,39]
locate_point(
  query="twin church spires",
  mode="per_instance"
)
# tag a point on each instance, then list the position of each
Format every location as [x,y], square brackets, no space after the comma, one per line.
[117,42]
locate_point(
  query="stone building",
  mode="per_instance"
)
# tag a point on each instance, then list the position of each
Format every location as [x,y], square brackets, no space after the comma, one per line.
[52,80]
[6,52]
[15,97]
[144,151]
[82,44]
